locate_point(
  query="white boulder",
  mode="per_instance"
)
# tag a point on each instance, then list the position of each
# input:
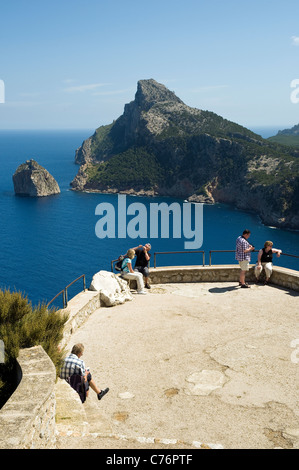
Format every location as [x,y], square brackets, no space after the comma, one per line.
[113,289]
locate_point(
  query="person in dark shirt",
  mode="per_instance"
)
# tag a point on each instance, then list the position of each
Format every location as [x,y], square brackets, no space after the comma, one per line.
[142,262]
[264,260]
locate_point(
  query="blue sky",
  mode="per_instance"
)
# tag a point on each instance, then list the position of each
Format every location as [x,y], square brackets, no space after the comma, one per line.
[75,63]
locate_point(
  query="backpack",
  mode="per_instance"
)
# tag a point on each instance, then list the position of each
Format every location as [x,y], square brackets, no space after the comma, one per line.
[119,262]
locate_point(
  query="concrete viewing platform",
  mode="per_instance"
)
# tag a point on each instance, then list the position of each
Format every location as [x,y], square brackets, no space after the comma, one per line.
[189,365]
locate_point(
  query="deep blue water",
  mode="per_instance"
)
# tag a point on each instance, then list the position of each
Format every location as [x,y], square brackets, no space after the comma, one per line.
[46,243]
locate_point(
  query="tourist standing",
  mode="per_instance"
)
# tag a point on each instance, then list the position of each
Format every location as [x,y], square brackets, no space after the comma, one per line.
[243,255]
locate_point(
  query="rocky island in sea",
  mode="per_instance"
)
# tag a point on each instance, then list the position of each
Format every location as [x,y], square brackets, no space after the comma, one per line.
[31,179]
[161,146]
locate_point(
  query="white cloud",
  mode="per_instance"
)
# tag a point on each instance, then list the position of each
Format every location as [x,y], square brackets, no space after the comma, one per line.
[82,88]
[295,40]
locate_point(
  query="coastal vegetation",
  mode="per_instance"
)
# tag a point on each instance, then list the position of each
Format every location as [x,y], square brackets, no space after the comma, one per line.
[287,140]
[136,167]
[25,326]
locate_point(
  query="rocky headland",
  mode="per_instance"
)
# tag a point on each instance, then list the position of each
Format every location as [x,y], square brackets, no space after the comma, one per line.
[31,179]
[289,137]
[161,146]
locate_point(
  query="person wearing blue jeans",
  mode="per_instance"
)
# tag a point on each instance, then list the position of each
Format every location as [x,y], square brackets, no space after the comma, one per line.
[142,262]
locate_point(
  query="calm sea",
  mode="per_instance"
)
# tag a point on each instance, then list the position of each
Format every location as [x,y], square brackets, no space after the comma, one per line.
[46,243]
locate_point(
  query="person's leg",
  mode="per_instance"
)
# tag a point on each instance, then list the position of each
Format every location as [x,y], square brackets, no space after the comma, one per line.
[146,278]
[140,283]
[100,393]
[244,266]
[138,277]
[94,387]
[268,270]
[257,271]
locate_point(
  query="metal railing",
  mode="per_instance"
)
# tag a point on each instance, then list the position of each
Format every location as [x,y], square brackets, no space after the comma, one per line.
[197,251]
[165,253]
[112,264]
[233,251]
[178,252]
[66,288]
[64,292]
[115,260]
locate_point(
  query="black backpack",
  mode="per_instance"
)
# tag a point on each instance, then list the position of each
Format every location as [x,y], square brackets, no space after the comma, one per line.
[119,262]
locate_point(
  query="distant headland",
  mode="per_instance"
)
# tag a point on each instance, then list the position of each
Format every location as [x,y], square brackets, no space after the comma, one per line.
[161,146]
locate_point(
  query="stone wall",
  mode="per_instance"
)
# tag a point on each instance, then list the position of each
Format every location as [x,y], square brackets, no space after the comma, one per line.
[27,420]
[282,277]
[79,309]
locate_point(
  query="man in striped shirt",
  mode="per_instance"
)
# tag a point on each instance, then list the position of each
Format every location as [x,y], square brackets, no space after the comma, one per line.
[243,255]
[74,365]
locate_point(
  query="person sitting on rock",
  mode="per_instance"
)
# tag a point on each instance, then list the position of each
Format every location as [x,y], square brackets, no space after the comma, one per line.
[128,273]
[142,262]
[73,366]
[264,260]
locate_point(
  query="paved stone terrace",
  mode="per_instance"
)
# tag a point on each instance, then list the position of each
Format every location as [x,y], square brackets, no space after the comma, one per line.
[201,365]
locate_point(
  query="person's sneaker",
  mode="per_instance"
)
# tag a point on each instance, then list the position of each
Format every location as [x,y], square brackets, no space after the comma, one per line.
[245,286]
[102,393]
[141,292]
[147,286]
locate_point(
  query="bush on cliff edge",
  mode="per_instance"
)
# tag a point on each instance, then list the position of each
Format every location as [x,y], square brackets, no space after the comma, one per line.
[24,326]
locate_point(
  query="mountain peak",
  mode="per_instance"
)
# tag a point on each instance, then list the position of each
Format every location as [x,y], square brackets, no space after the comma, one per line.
[150,92]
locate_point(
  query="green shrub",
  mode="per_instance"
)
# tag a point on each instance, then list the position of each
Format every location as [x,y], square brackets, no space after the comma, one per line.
[22,326]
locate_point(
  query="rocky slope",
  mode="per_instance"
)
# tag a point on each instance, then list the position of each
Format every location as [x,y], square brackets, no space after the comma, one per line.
[161,146]
[31,179]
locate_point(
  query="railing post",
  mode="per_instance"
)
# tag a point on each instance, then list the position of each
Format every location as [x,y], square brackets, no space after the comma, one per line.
[84,283]
[155,260]
[65,296]
[203,258]
[210,260]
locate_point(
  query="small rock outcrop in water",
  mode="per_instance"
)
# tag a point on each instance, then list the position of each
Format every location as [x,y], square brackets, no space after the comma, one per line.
[31,179]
